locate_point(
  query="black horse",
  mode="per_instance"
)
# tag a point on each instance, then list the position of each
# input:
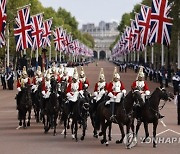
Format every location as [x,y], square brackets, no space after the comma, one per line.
[149,112]
[123,112]
[24,105]
[79,115]
[50,113]
[37,101]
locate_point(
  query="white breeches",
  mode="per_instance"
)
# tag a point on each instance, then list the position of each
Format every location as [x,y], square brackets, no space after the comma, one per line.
[34,88]
[73,97]
[116,98]
[98,95]
[143,97]
[46,95]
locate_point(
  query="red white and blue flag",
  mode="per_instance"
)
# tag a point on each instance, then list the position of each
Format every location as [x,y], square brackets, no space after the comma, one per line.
[46,33]
[160,22]
[37,23]
[58,39]
[144,23]
[22,29]
[3,17]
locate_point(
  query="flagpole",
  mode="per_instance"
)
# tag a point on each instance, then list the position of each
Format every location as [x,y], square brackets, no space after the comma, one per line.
[8,45]
[36,57]
[162,55]
[152,54]
[28,5]
[134,56]
[56,56]
[138,56]
[178,51]
[50,53]
[145,55]
[24,52]
[60,57]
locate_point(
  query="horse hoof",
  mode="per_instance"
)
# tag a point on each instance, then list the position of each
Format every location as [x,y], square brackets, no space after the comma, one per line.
[82,138]
[20,123]
[28,124]
[102,141]
[68,127]
[54,134]
[118,141]
[73,136]
[154,145]
[95,135]
[107,143]
[100,133]
[110,138]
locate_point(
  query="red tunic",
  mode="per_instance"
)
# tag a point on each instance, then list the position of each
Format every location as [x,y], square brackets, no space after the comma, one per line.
[19,83]
[144,88]
[110,88]
[96,87]
[69,88]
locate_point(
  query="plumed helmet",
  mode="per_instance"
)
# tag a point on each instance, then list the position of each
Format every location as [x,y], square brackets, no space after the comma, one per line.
[140,73]
[75,74]
[82,71]
[24,72]
[101,74]
[116,74]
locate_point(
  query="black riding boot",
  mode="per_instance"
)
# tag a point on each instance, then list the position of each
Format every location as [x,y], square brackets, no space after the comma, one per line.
[112,105]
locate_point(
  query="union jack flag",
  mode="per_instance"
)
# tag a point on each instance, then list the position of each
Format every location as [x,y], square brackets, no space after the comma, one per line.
[3,17]
[76,47]
[160,22]
[58,39]
[46,33]
[68,42]
[144,23]
[22,30]
[37,23]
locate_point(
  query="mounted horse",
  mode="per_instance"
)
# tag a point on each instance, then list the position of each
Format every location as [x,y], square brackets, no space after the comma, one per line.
[24,105]
[37,101]
[149,112]
[51,109]
[123,112]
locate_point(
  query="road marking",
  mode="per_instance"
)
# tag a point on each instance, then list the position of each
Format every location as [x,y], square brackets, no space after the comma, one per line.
[167,130]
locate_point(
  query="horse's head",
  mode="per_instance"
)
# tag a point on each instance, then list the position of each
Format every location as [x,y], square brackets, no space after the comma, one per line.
[84,105]
[137,97]
[53,85]
[164,94]
[63,86]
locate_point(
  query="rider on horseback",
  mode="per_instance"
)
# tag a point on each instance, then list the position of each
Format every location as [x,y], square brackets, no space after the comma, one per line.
[141,85]
[83,79]
[22,82]
[37,79]
[46,86]
[73,90]
[65,76]
[100,87]
[116,91]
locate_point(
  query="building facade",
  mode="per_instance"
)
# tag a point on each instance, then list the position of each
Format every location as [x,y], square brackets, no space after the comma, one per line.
[104,35]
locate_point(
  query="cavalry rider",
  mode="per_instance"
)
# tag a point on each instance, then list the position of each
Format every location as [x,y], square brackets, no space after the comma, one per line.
[83,79]
[141,85]
[37,79]
[65,76]
[22,82]
[116,91]
[73,90]
[46,86]
[101,87]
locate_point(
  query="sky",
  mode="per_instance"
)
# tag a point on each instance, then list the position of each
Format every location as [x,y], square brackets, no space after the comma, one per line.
[93,11]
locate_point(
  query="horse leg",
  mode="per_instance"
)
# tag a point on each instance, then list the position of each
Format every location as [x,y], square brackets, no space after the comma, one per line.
[55,124]
[132,126]
[138,126]
[154,133]
[29,118]
[104,140]
[76,129]
[24,120]
[20,118]
[65,125]
[146,131]
[122,133]
[109,135]
[84,124]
